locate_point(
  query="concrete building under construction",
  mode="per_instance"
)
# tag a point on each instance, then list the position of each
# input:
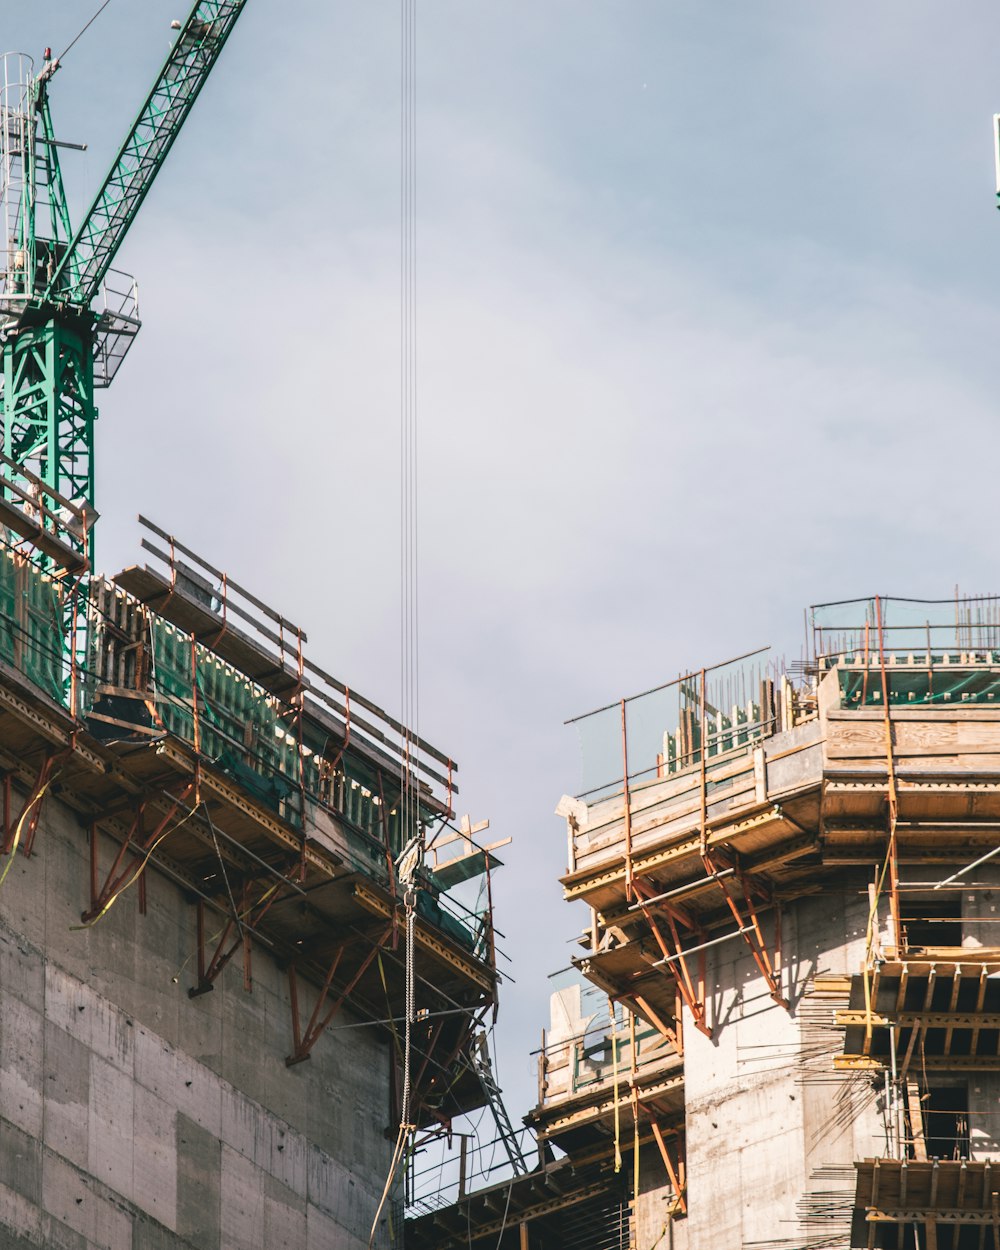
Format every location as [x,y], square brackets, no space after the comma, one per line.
[784,1030]
[201,930]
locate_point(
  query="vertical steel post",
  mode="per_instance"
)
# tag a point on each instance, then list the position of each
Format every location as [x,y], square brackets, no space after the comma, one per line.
[702,753]
[628,804]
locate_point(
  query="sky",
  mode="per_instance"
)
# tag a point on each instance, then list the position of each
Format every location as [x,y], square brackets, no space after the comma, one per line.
[707,333]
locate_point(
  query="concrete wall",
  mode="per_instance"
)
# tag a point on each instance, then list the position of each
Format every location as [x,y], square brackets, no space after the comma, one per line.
[758,1128]
[980,910]
[653,1229]
[135,1118]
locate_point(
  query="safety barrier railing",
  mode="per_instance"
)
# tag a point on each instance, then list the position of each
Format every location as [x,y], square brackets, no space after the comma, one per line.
[445,1168]
[270,746]
[242,617]
[592,1042]
[891,626]
[700,716]
[598,1056]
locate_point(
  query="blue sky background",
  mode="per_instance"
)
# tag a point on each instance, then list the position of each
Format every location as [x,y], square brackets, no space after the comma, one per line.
[708,327]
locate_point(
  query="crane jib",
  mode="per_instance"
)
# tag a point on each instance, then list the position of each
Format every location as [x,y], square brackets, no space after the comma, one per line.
[91,252]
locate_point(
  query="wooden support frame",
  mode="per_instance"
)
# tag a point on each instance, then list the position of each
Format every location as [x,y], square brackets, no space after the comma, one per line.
[917,1033]
[915,1114]
[957,1035]
[304,1039]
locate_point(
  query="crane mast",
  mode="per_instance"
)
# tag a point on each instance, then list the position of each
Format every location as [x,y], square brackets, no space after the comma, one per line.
[67,318]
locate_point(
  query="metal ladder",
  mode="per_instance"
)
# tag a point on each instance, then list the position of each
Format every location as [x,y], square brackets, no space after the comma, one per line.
[505,1130]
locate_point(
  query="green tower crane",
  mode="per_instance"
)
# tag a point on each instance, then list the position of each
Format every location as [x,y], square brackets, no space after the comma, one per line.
[66,318]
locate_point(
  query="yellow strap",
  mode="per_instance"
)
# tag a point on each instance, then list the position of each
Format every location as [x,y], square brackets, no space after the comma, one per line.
[142,867]
[614,1066]
[635,1107]
[20,825]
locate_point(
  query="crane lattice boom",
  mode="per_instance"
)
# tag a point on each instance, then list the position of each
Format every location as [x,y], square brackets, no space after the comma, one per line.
[184,73]
[56,343]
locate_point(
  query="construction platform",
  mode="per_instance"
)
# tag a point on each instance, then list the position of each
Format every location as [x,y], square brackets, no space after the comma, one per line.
[779,802]
[180,717]
[729,804]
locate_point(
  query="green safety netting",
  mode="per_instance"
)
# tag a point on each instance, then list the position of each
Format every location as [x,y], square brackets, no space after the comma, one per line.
[251,735]
[247,732]
[238,725]
[31,624]
[916,686]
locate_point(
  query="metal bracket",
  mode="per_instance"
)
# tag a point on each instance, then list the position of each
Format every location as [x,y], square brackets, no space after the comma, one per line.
[749,926]
[676,1173]
[676,966]
[17,829]
[247,917]
[305,1039]
[139,843]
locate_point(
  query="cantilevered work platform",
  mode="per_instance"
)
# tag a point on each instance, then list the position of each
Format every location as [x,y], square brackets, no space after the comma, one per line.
[926,1194]
[741,790]
[943,1009]
[613,1083]
[269,795]
[559,1203]
[675,862]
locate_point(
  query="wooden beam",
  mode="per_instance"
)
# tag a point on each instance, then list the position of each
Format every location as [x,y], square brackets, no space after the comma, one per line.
[916,1113]
[920,1019]
[937,1063]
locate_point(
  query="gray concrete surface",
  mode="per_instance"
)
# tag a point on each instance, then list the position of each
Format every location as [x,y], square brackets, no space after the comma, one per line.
[135,1118]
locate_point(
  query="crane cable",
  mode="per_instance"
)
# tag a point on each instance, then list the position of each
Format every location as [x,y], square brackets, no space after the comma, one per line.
[85,29]
[410,835]
[409,597]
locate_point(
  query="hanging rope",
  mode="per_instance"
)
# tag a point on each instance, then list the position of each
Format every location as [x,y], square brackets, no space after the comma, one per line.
[408,864]
[890,865]
[634,1066]
[409,1006]
[409,596]
[612,1012]
[410,831]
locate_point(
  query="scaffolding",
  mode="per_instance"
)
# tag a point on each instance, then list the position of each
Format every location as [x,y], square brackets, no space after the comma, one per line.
[712,803]
[189,726]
